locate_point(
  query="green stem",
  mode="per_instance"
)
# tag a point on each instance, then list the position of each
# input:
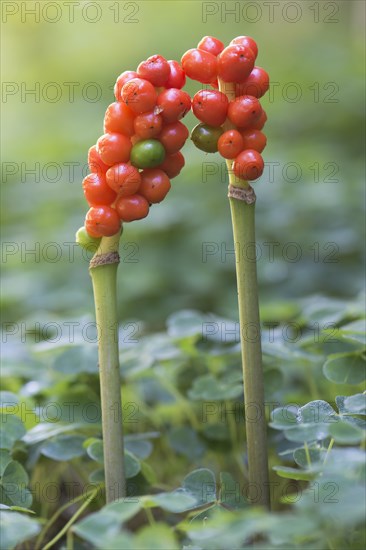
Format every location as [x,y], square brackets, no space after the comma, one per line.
[104,279]
[243,222]
[77,514]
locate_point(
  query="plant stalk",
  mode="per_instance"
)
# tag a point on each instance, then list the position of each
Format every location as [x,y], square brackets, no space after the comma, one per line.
[104,278]
[243,223]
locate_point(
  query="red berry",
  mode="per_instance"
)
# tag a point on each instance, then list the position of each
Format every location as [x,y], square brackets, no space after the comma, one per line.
[258,124]
[200,65]
[102,221]
[139,95]
[246,41]
[123,178]
[210,106]
[155,184]
[257,83]
[211,44]
[119,118]
[248,165]
[174,104]
[148,125]
[134,207]
[235,63]
[95,162]
[177,77]
[113,148]
[173,164]
[244,110]
[121,80]
[173,136]
[230,144]
[254,139]
[96,190]
[155,69]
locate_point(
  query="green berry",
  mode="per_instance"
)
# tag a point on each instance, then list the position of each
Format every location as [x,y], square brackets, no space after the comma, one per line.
[86,241]
[205,137]
[147,153]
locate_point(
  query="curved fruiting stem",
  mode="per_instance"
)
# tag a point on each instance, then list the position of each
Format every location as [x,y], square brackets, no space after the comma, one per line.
[103,271]
[243,222]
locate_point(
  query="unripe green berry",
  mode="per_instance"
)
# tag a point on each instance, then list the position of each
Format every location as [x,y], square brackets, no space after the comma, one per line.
[147,153]
[86,241]
[205,137]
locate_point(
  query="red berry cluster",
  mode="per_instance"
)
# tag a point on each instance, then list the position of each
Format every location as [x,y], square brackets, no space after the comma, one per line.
[134,160]
[231,127]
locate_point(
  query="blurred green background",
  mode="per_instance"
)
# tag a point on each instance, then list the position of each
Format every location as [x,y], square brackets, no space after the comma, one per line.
[310,204]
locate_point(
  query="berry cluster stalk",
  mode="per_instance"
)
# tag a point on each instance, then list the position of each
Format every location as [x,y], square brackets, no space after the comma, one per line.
[104,277]
[243,222]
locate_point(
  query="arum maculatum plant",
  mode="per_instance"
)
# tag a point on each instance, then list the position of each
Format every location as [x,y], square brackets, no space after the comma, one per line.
[131,168]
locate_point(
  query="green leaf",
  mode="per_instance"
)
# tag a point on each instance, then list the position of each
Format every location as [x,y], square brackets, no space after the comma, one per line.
[201,484]
[13,486]
[95,451]
[177,501]
[316,455]
[209,388]
[185,441]
[132,465]
[284,417]
[185,324]
[5,458]
[46,430]
[294,473]
[11,430]
[231,492]
[64,447]
[353,404]
[316,412]
[345,368]
[95,528]
[156,537]
[141,448]
[16,528]
[345,433]
[77,359]
[354,332]
[8,399]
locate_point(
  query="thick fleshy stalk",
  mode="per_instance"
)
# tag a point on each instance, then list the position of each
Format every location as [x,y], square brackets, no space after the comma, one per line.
[243,222]
[103,271]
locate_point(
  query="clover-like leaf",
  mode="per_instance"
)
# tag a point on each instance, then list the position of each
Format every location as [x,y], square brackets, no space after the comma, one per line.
[345,368]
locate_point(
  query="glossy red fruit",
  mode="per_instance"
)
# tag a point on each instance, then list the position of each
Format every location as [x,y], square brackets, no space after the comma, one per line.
[254,139]
[123,178]
[235,63]
[257,83]
[259,124]
[95,162]
[246,41]
[230,144]
[248,165]
[173,136]
[119,118]
[211,44]
[173,104]
[244,111]
[200,65]
[210,106]
[148,125]
[96,190]
[102,221]
[140,95]
[155,69]
[113,148]
[155,185]
[173,164]
[134,207]
[177,77]
[121,80]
